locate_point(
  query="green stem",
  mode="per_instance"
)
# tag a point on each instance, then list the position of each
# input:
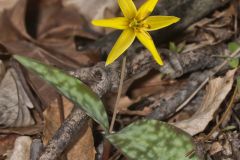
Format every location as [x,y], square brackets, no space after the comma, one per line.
[118,94]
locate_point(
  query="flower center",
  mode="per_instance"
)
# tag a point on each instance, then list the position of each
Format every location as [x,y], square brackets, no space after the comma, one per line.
[134,23]
[137,25]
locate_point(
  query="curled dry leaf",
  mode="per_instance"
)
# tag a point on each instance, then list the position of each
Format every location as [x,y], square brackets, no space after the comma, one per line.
[14,102]
[66,24]
[217,91]
[17,14]
[99,9]
[83,147]
[54,27]
[21,150]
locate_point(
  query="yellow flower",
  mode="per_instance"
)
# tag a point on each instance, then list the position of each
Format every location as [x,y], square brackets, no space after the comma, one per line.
[135,23]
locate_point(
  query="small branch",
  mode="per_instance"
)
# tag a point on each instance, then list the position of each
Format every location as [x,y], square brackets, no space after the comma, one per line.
[197,81]
[216,70]
[36,149]
[73,126]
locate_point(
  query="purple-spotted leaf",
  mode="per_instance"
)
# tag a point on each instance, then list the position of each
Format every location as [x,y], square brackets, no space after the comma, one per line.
[153,140]
[70,87]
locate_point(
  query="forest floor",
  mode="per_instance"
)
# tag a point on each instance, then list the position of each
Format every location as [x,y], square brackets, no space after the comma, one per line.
[197,90]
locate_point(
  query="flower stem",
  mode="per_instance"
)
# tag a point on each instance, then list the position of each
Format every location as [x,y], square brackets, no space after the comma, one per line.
[118,94]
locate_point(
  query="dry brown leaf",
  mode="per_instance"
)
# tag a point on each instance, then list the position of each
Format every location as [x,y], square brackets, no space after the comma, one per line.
[215,148]
[125,102]
[14,102]
[152,84]
[217,91]
[21,150]
[56,27]
[209,31]
[52,118]
[83,147]
[7,4]
[147,86]
[99,9]
[7,143]
[16,15]
[233,8]
[13,38]
[56,21]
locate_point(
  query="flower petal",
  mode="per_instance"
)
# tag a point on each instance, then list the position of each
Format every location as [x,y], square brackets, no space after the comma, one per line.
[147,41]
[158,22]
[117,23]
[128,8]
[124,41]
[146,9]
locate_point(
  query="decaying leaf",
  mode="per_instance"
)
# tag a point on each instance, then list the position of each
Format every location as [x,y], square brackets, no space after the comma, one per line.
[99,8]
[52,118]
[7,143]
[125,102]
[215,148]
[48,35]
[83,146]
[152,139]
[21,150]
[217,91]
[6,4]
[14,102]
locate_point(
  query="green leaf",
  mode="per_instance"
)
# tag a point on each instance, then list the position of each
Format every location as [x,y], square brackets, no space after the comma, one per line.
[153,140]
[70,87]
[233,46]
[172,47]
[177,48]
[233,62]
[181,47]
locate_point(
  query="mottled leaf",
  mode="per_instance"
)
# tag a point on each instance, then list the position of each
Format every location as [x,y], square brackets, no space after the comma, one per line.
[153,140]
[233,46]
[70,87]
